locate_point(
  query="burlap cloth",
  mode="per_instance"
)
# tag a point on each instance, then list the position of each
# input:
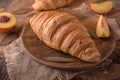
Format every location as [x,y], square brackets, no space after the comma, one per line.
[20,66]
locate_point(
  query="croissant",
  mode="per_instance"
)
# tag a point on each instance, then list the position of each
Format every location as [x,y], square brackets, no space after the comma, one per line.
[50,4]
[66,33]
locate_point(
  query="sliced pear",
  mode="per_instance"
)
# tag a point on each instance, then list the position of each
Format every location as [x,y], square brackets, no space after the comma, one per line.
[101,8]
[102,29]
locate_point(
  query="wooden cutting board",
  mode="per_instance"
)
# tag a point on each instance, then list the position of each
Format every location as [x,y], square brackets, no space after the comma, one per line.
[40,52]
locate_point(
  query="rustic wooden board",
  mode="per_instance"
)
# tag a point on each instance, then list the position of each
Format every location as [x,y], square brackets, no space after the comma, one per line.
[40,52]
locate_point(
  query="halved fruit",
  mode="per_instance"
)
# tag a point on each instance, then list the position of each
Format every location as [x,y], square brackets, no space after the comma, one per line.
[102,29]
[101,8]
[7,22]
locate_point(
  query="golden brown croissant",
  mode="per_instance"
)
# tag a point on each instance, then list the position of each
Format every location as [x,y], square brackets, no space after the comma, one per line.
[50,4]
[66,33]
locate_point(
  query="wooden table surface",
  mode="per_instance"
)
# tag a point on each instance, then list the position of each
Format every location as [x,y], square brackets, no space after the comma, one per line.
[20,66]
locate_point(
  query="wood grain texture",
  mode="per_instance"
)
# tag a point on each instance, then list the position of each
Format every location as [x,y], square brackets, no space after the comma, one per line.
[22,67]
[40,52]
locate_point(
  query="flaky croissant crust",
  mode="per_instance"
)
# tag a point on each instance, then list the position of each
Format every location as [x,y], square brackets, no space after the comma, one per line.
[50,4]
[66,33]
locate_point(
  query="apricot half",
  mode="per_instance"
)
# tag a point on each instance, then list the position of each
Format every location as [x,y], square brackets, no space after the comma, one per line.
[101,8]
[102,29]
[7,22]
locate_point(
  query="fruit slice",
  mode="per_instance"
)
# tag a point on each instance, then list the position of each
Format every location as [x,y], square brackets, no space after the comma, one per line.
[101,8]
[102,29]
[7,22]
